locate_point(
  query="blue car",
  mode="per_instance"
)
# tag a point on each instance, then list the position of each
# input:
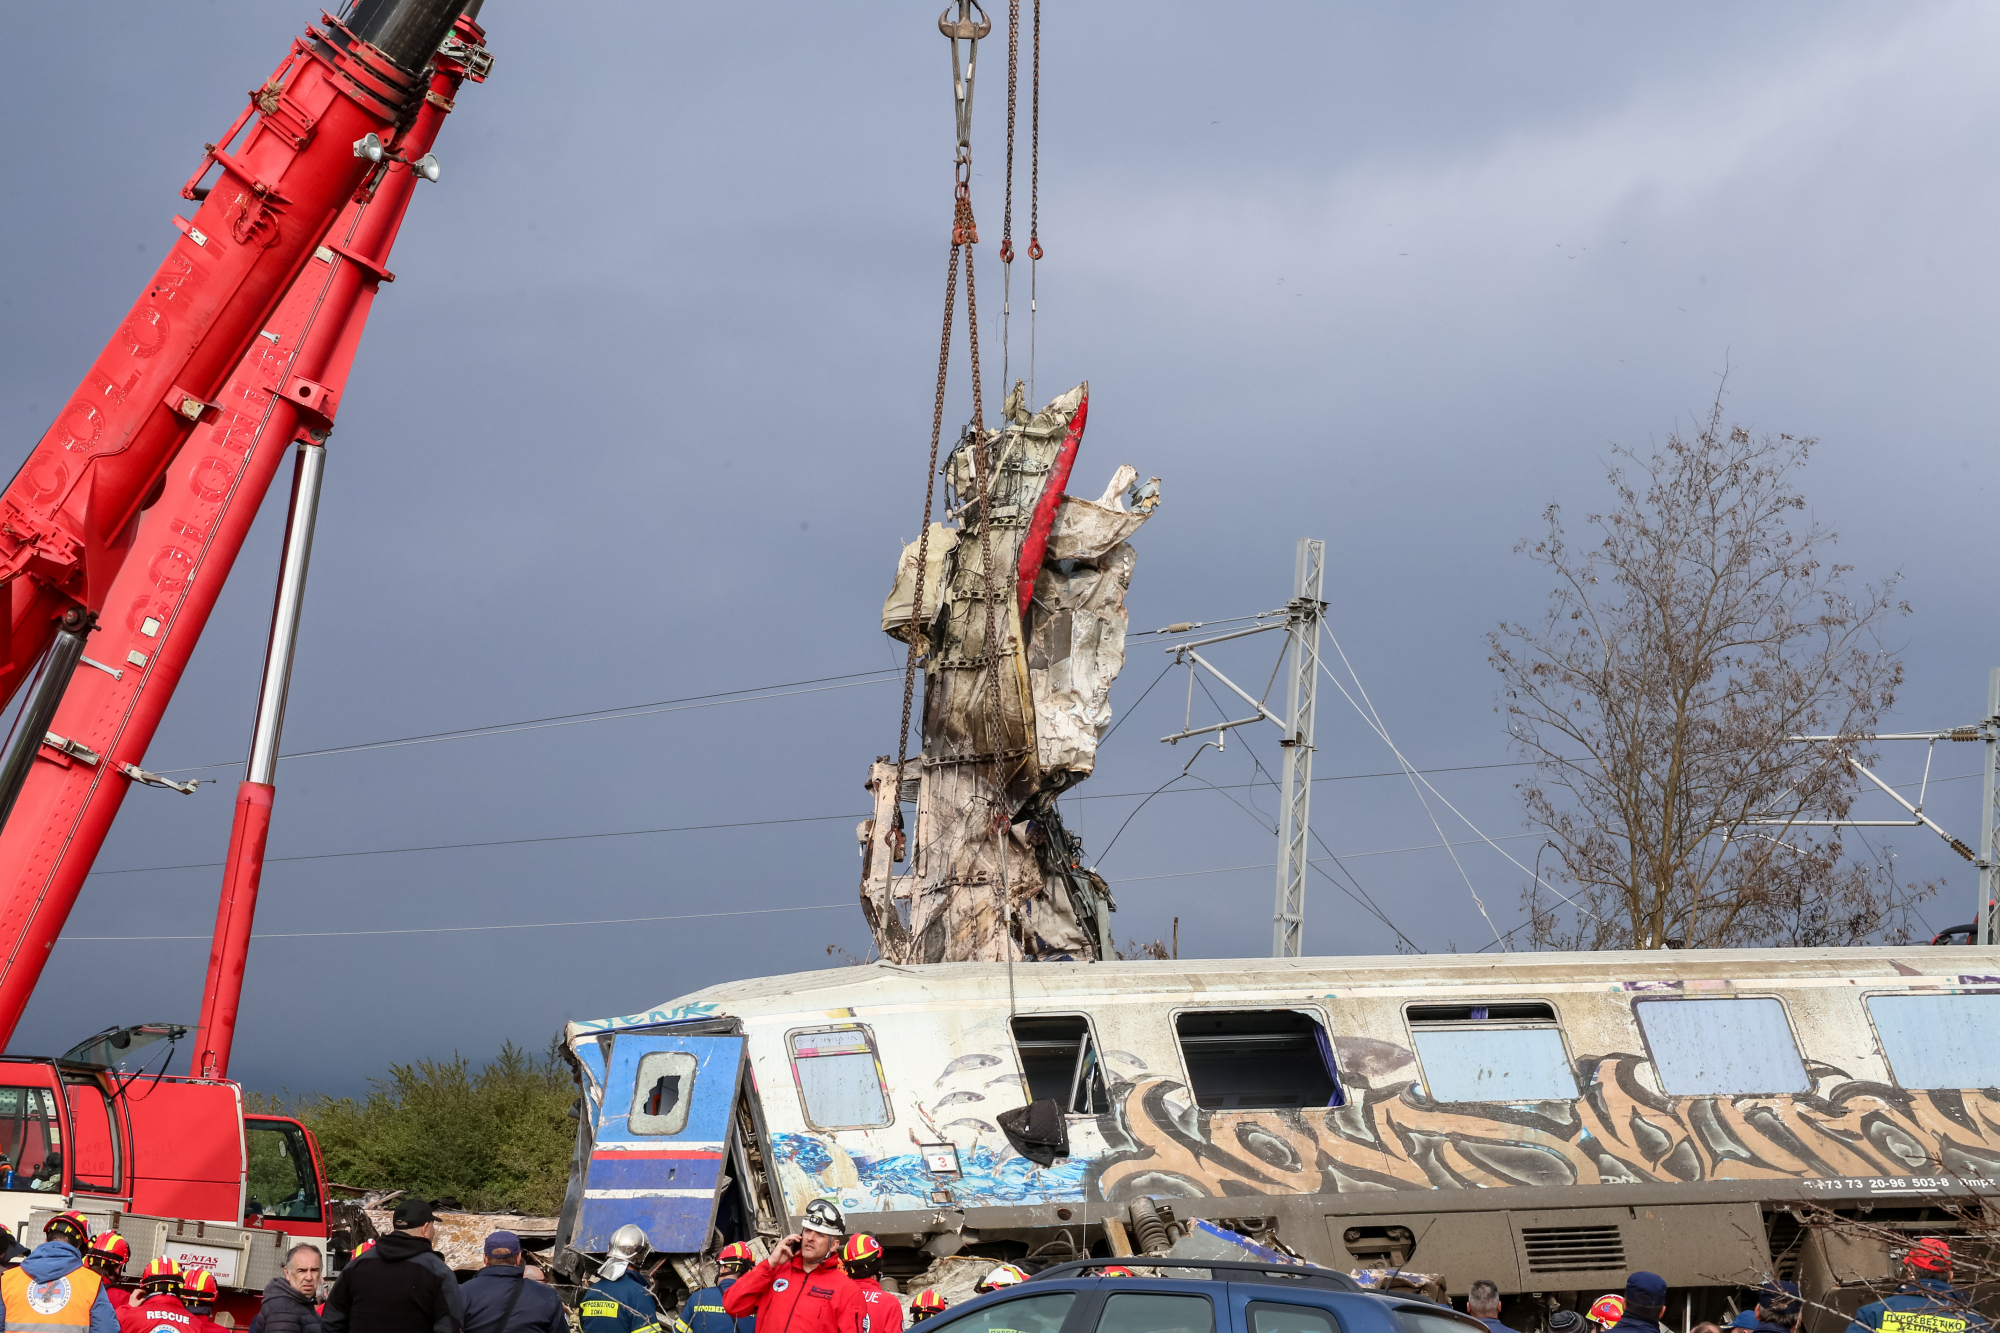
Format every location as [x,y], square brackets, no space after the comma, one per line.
[1217,1296]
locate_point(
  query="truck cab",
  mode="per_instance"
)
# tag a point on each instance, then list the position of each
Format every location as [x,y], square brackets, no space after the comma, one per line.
[171,1163]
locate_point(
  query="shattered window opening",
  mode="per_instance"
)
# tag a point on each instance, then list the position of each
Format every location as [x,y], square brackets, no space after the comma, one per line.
[1059,1059]
[1939,1041]
[1511,1052]
[1257,1059]
[1722,1048]
[839,1078]
[661,1092]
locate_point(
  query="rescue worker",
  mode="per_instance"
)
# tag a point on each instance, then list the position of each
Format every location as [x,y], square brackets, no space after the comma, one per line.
[621,1301]
[1645,1303]
[1006,1275]
[798,1289]
[1606,1311]
[158,1304]
[1778,1308]
[52,1289]
[1116,1270]
[1924,1300]
[11,1251]
[864,1307]
[107,1256]
[703,1312]
[927,1305]
[199,1292]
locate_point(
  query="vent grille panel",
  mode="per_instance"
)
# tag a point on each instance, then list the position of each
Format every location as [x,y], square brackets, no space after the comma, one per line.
[1573,1249]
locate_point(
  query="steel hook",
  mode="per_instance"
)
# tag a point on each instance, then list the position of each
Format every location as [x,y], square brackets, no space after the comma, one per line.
[963,28]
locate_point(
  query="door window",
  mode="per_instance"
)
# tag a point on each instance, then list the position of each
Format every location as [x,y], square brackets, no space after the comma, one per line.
[661,1092]
[1156,1312]
[282,1178]
[31,1136]
[94,1155]
[1271,1317]
[1257,1059]
[1059,1059]
[840,1080]
[1030,1314]
[1722,1048]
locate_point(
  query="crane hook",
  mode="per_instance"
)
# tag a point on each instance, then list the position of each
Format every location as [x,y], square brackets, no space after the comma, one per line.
[963,28]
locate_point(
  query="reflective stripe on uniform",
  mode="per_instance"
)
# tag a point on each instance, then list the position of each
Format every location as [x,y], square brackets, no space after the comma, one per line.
[598,1309]
[1893,1321]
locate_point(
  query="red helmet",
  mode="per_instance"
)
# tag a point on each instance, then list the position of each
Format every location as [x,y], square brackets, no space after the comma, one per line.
[1607,1310]
[199,1285]
[735,1258]
[861,1256]
[926,1304]
[72,1227]
[163,1274]
[1931,1255]
[1116,1270]
[108,1254]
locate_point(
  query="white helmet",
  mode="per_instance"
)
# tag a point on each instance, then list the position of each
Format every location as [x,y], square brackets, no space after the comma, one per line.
[628,1246]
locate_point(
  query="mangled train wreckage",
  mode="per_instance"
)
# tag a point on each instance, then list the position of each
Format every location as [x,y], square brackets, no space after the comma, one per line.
[1547,1121]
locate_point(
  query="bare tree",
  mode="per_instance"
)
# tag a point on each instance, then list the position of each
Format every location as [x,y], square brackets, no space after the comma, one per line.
[1703,626]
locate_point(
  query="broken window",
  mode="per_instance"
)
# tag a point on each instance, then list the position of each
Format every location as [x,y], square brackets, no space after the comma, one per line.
[1257,1059]
[661,1092]
[1724,1048]
[840,1080]
[1491,1052]
[1939,1041]
[1059,1059]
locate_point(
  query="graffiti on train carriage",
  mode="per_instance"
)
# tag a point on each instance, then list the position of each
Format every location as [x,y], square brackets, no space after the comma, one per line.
[1390,1134]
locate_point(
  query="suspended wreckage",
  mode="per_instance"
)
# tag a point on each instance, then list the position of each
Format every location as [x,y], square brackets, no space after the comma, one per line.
[988,872]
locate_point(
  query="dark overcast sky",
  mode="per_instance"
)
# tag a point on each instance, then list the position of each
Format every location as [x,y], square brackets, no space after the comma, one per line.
[644,417]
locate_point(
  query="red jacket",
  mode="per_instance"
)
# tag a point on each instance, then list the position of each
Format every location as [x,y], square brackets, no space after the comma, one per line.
[790,1299]
[161,1314]
[866,1308]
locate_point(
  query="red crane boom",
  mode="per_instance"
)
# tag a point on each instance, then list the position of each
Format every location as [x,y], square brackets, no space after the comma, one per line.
[288,387]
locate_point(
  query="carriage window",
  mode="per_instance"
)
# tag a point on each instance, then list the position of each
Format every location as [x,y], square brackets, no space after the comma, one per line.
[1492,1053]
[1059,1058]
[1721,1047]
[1257,1059]
[661,1093]
[1939,1041]
[840,1080]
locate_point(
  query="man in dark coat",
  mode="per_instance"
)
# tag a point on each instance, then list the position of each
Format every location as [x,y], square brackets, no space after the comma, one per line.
[400,1286]
[535,1307]
[1645,1302]
[291,1299]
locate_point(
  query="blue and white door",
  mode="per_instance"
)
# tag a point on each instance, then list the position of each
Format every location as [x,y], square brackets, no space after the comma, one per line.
[658,1154]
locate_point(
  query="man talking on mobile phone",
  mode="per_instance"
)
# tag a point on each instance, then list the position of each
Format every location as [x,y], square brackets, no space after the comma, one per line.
[801,1287]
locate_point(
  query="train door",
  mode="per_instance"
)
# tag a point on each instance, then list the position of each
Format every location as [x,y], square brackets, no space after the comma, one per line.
[662,1136]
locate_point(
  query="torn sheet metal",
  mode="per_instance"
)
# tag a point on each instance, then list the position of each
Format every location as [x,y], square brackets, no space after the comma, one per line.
[989,872]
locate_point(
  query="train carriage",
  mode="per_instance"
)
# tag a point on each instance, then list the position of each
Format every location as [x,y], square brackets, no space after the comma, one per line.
[1548,1121]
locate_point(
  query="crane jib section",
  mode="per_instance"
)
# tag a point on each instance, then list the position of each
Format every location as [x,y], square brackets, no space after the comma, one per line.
[282,183]
[286,387]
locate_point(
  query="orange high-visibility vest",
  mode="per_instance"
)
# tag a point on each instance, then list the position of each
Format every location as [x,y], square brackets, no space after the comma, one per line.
[61,1306]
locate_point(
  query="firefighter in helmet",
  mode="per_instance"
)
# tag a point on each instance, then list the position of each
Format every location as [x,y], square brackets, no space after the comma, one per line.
[864,1307]
[621,1301]
[703,1312]
[159,1306]
[107,1256]
[927,1305]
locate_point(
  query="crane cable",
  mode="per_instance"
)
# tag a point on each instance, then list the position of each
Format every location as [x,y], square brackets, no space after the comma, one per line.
[1034,191]
[964,235]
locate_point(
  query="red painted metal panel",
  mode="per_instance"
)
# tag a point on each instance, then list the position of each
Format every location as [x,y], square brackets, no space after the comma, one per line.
[187,1148]
[1037,540]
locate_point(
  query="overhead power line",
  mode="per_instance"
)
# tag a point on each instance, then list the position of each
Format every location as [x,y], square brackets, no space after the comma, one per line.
[445,930]
[684,704]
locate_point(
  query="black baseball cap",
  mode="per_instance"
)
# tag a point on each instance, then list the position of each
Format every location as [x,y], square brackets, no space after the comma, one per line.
[413,1213]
